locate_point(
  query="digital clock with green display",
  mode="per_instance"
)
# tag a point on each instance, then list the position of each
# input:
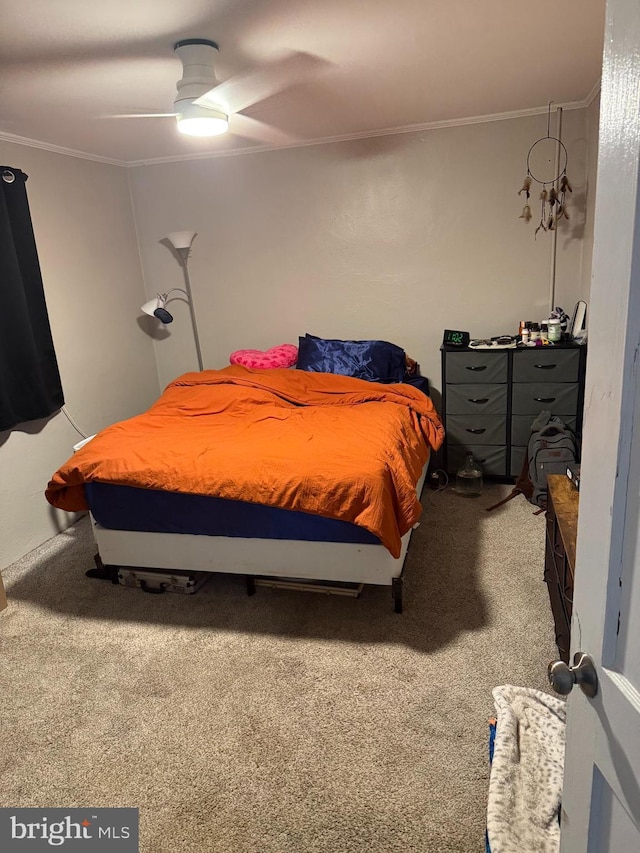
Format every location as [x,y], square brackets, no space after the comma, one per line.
[453,338]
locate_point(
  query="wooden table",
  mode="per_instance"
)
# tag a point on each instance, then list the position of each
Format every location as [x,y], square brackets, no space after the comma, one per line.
[560,555]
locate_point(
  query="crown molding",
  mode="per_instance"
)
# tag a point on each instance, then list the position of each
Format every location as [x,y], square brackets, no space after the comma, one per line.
[324,140]
[593,94]
[59,149]
[371,134]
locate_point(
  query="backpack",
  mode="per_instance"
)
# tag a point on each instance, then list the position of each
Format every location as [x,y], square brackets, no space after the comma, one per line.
[551,447]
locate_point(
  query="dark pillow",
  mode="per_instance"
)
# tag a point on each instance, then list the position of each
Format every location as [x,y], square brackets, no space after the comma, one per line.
[419,382]
[375,361]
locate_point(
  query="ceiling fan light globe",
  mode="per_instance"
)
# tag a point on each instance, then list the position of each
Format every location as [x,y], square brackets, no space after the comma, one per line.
[203,126]
[195,120]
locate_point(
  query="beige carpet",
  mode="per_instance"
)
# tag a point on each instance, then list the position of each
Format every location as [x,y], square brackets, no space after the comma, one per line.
[287,722]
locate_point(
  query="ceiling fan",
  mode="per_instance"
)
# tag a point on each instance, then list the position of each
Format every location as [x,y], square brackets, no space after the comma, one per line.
[205,107]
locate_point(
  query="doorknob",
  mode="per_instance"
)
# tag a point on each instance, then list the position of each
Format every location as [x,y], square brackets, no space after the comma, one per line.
[562,677]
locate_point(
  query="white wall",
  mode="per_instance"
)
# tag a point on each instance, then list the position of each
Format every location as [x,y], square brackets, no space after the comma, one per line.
[592,119]
[570,247]
[396,237]
[84,229]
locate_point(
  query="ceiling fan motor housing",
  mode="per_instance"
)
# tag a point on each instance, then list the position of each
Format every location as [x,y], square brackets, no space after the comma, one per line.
[198,78]
[198,75]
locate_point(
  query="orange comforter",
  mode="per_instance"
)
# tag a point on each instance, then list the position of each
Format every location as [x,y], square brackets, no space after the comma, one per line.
[314,442]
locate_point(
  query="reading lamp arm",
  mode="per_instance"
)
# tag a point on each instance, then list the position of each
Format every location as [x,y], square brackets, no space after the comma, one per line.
[173,289]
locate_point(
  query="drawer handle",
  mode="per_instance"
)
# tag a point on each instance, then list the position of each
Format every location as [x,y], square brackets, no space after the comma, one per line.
[478,431]
[545,399]
[545,366]
[478,400]
[476,367]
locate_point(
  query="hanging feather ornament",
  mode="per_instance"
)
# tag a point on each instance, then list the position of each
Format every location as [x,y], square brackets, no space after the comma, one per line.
[526,186]
[564,184]
[544,195]
[562,204]
[553,206]
[555,185]
[526,189]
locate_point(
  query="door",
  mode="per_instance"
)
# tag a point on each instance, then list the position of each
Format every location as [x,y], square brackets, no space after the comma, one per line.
[601,798]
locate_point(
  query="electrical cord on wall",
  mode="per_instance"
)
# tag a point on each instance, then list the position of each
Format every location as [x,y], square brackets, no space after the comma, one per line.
[73,423]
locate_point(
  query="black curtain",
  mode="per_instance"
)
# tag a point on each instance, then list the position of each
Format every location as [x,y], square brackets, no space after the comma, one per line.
[30,386]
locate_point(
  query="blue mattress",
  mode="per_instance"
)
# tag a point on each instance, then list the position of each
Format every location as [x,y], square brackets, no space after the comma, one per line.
[127,508]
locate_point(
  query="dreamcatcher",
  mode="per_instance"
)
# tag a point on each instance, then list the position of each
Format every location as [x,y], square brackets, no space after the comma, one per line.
[554,187]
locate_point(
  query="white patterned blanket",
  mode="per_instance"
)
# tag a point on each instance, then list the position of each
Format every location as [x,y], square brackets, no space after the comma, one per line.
[525,785]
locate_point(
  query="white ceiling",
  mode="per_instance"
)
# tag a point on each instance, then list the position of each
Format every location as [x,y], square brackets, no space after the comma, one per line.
[371,66]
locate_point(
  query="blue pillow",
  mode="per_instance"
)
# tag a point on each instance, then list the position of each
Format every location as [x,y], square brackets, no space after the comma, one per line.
[375,361]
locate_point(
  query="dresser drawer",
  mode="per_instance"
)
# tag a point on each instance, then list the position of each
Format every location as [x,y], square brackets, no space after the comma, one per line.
[477,429]
[492,397]
[476,399]
[492,459]
[530,398]
[521,427]
[546,365]
[484,367]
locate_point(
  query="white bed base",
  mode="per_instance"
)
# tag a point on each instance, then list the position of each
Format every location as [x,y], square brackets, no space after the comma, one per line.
[326,561]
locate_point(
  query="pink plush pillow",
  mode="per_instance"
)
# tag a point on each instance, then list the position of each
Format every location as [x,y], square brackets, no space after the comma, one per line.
[284,355]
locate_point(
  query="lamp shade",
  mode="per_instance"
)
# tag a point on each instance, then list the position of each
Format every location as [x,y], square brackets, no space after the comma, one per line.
[181,239]
[155,308]
[150,306]
[163,315]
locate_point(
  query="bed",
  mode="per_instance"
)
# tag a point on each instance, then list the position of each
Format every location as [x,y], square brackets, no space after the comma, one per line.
[282,474]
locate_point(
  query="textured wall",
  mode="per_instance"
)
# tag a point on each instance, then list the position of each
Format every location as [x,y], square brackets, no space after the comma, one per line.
[593,118]
[394,237]
[86,240]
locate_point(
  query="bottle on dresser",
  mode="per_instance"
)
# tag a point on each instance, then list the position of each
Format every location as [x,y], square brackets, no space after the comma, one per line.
[554,329]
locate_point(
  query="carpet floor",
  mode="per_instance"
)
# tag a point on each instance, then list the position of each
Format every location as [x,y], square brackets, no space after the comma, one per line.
[286,722]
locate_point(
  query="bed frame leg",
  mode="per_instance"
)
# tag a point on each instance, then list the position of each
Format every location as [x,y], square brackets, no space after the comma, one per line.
[102,572]
[251,585]
[396,593]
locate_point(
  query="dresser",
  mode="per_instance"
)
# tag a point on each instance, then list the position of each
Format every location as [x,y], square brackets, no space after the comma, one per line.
[490,399]
[560,556]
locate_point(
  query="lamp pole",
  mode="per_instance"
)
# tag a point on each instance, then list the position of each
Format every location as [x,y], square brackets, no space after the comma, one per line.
[181,242]
[184,260]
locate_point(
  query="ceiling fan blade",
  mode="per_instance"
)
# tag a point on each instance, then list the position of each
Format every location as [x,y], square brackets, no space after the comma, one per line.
[241,91]
[253,129]
[140,115]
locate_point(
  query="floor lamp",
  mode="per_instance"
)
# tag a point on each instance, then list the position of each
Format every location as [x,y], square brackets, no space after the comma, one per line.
[181,242]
